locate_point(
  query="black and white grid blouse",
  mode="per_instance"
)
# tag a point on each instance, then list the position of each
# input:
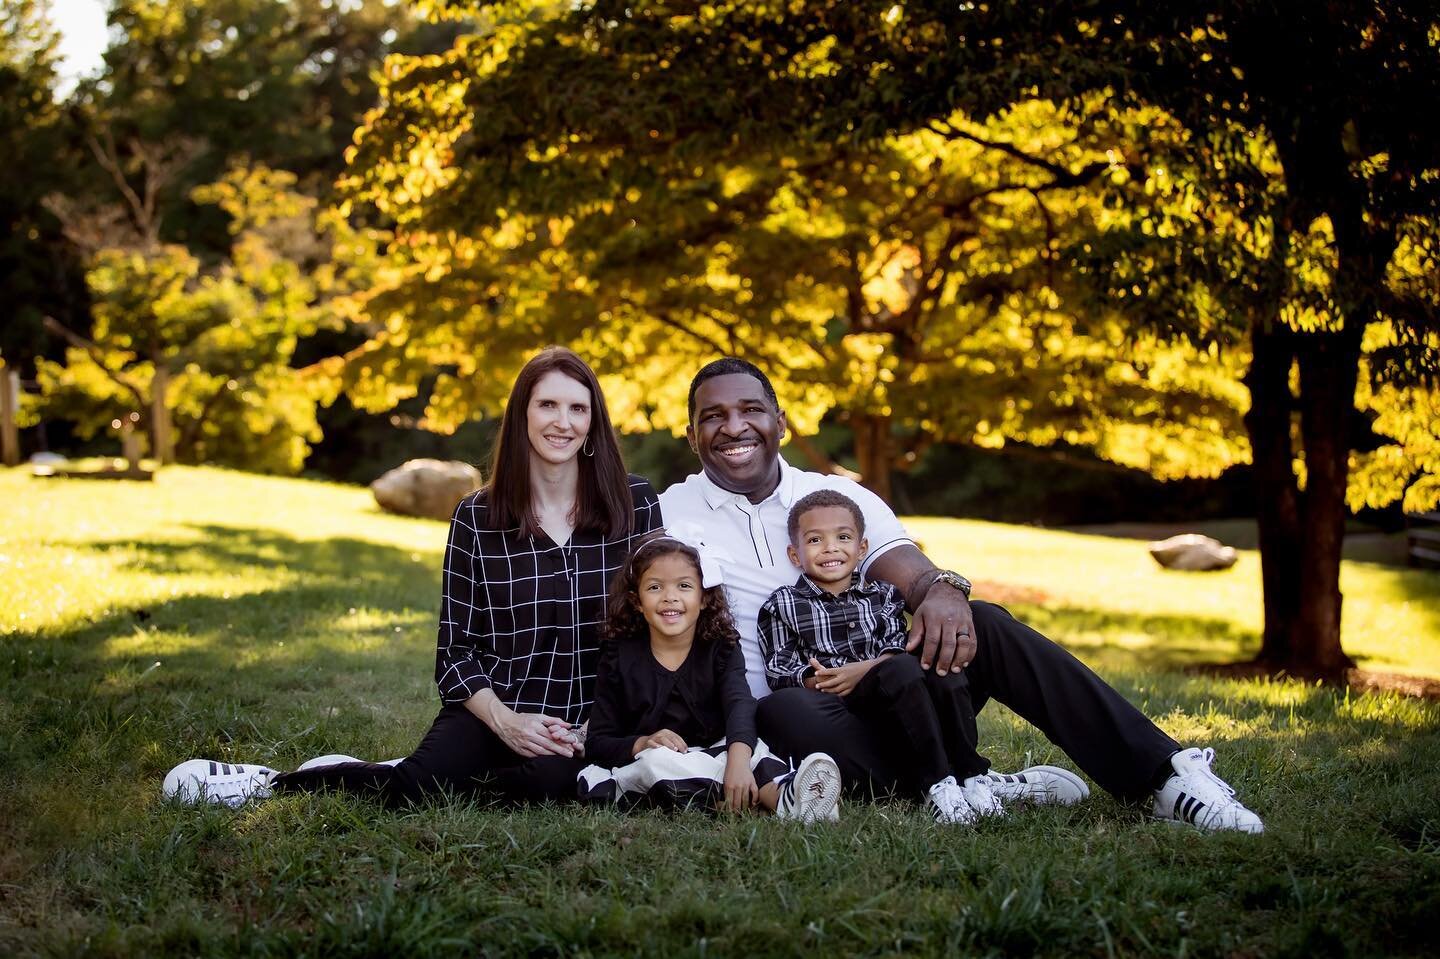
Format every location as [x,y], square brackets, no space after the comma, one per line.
[521,615]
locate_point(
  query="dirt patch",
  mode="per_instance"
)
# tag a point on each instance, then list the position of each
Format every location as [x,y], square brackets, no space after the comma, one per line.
[1004,593]
[1359,680]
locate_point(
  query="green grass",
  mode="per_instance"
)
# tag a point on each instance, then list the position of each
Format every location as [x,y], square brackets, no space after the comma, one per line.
[290,618]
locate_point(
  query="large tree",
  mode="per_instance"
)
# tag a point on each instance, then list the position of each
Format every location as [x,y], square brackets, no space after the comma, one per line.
[1305,152]
[586,170]
[278,83]
[206,354]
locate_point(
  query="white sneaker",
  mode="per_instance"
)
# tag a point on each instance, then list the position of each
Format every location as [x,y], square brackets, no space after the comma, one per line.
[335,759]
[980,797]
[811,792]
[1042,785]
[204,780]
[947,804]
[1197,796]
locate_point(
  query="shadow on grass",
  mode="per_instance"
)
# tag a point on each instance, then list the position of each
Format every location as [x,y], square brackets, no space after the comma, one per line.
[237,549]
[312,634]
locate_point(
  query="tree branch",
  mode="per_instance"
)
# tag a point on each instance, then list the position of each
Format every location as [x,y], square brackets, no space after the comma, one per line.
[664,318]
[818,459]
[92,349]
[108,158]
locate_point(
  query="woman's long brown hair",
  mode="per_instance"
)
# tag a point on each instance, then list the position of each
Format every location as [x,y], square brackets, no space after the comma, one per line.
[603,502]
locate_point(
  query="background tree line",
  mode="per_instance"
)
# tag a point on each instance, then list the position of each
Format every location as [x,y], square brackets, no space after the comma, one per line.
[1177,240]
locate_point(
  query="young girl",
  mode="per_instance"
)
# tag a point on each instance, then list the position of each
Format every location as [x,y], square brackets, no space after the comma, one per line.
[674,719]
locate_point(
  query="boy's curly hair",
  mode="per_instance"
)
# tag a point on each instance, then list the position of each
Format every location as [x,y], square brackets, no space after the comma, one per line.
[623,618]
[816,500]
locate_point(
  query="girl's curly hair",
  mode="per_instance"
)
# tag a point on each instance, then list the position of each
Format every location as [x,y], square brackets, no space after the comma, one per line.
[623,618]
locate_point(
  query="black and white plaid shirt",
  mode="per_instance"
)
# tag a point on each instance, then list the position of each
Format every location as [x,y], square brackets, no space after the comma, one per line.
[521,615]
[803,620]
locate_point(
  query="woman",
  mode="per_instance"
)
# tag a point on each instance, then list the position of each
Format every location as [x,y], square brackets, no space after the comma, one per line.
[527,567]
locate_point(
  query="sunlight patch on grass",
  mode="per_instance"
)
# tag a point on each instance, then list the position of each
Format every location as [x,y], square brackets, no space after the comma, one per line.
[1391,616]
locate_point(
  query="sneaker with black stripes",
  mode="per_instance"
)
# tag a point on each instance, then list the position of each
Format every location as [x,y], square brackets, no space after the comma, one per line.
[1042,785]
[812,792]
[230,784]
[980,796]
[947,804]
[1197,796]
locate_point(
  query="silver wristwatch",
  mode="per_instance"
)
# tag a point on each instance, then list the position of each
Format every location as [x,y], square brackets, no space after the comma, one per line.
[951,578]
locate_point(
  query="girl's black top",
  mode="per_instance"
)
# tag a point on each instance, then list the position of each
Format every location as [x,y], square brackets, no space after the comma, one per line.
[707,699]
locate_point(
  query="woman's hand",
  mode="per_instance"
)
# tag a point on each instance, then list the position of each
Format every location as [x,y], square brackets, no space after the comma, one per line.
[525,734]
[741,792]
[535,734]
[665,738]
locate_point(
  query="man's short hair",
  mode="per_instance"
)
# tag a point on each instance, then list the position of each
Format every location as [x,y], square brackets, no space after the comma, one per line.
[724,367]
[816,500]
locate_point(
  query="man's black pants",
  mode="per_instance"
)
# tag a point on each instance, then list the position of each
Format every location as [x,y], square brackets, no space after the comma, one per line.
[1110,740]
[930,718]
[460,755]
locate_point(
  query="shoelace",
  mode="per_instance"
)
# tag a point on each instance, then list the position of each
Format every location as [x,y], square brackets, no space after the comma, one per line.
[1208,755]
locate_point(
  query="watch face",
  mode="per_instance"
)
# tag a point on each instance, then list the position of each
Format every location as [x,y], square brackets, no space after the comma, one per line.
[956,580]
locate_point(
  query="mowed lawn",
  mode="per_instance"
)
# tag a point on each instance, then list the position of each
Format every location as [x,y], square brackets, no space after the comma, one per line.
[243,618]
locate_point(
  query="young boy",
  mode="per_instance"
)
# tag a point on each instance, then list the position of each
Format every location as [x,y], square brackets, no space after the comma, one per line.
[831,632]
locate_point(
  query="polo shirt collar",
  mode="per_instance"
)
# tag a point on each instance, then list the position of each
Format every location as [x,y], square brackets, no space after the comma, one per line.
[717,496]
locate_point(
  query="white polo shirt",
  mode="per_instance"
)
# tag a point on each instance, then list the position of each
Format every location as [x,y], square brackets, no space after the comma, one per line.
[749,540]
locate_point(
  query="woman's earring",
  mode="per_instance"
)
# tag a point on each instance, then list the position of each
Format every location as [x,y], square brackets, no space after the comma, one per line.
[586,448]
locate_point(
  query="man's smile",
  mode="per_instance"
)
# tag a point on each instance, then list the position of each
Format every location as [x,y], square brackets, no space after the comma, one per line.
[739,450]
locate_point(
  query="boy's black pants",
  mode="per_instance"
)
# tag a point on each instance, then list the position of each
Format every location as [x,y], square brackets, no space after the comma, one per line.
[1110,740]
[930,717]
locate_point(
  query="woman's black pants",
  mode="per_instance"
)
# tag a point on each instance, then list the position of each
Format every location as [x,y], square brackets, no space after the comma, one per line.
[459,756]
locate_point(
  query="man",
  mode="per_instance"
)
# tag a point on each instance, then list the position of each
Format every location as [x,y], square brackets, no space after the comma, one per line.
[738,505]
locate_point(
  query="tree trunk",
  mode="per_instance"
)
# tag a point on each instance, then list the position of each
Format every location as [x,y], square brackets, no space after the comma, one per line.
[1329,365]
[1302,533]
[162,445]
[874,450]
[9,412]
[1277,507]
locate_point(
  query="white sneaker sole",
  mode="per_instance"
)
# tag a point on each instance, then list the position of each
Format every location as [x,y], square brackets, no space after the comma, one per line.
[1052,794]
[335,759]
[817,790]
[1207,830]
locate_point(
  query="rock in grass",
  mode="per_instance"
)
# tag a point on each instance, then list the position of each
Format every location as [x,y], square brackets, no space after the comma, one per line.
[425,487]
[1192,552]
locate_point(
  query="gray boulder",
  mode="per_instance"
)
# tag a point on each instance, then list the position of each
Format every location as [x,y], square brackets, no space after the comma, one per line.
[428,488]
[1192,552]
